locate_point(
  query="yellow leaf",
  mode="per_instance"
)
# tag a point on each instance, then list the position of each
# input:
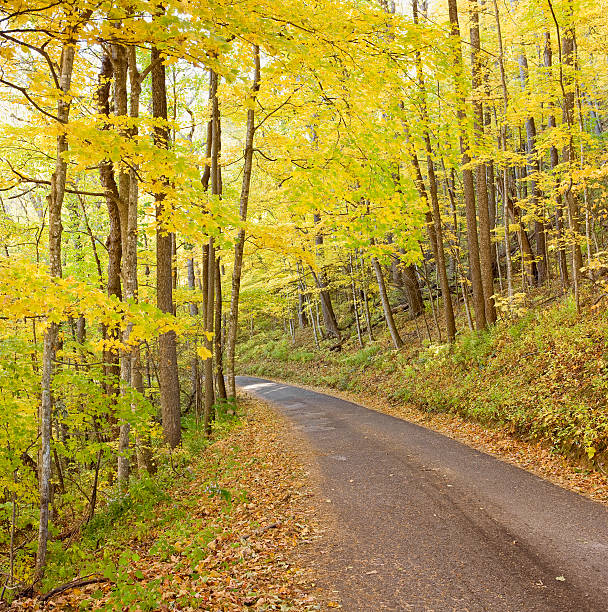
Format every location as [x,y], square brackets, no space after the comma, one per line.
[203,352]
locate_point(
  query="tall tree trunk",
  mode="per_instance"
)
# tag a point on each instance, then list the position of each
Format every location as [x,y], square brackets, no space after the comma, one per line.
[364,285]
[55,204]
[327,309]
[209,260]
[554,160]
[217,340]
[209,406]
[492,213]
[566,78]
[355,305]
[302,319]
[467,177]
[143,444]
[433,219]
[195,397]
[534,170]
[427,281]
[505,173]
[527,255]
[386,306]
[404,278]
[485,241]
[308,302]
[412,289]
[239,247]
[167,342]
[113,243]
[581,125]
[448,308]
[128,236]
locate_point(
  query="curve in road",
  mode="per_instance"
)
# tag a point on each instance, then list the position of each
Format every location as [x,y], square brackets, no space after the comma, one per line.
[427,523]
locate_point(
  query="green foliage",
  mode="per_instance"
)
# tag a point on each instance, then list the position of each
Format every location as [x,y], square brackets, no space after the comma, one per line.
[362,357]
[537,376]
[543,376]
[473,349]
[149,507]
[278,349]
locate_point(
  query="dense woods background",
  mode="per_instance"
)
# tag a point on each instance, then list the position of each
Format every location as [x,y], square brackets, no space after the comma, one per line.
[176,177]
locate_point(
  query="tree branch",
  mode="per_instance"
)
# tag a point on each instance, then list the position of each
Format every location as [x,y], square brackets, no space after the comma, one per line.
[41,51]
[29,99]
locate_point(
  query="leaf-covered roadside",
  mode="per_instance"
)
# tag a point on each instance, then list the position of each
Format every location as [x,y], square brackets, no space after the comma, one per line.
[531,391]
[222,539]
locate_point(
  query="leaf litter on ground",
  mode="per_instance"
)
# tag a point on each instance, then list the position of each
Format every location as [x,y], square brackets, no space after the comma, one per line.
[227,540]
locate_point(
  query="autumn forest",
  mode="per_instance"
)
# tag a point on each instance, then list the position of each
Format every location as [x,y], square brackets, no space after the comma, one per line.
[401,201]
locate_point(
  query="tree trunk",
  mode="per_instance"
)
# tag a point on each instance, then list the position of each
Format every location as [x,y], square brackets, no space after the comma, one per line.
[208,412]
[355,305]
[106,174]
[467,178]
[143,445]
[534,169]
[55,204]
[412,289]
[210,257]
[368,318]
[505,175]
[404,277]
[327,309]
[217,340]
[239,247]
[566,55]
[485,241]
[145,458]
[386,307]
[302,319]
[308,302]
[167,342]
[433,221]
[581,125]
[195,397]
[128,247]
[491,183]
[554,157]
[528,263]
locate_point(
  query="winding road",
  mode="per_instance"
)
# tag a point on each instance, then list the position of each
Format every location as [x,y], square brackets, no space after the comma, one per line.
[425,523]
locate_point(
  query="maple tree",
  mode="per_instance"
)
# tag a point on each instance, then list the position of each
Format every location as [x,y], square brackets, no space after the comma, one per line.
[175,174]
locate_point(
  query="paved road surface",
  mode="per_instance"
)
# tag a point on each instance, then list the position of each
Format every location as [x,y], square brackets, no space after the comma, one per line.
[426,523]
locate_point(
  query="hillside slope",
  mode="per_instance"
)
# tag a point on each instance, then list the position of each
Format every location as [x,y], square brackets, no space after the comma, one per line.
[541,379]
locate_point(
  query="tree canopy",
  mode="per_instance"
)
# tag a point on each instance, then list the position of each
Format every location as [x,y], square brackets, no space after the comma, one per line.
[175,172]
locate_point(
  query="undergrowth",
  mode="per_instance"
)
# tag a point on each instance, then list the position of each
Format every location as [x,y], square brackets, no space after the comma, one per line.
[149,515]
[543,376]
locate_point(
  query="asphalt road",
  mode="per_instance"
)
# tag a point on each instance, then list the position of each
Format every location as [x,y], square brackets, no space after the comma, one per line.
[423,522]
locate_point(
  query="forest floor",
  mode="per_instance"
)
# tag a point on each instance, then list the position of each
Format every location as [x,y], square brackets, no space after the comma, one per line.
[230,534]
